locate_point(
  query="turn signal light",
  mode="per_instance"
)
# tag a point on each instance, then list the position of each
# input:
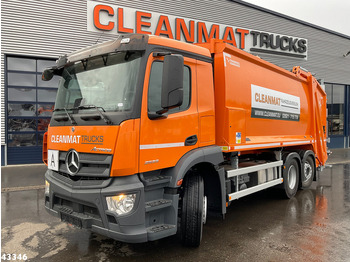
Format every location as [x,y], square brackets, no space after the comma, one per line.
[47,188]
[179,183]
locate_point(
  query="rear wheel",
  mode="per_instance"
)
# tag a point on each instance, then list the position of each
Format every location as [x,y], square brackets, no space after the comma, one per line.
[291,178]
[307,172]
[194,210]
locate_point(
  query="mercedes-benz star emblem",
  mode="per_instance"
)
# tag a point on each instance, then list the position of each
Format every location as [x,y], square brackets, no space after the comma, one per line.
[73,129]
[72,162]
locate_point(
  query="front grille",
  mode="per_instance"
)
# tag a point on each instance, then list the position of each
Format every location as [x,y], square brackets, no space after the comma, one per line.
[78,178]
[81,182]
[91,165]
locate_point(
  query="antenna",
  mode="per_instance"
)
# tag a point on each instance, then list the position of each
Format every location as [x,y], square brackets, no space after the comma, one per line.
[99,37]
[348,53]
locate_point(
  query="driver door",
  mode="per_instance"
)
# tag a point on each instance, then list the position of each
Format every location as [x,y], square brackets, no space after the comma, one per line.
[163,141]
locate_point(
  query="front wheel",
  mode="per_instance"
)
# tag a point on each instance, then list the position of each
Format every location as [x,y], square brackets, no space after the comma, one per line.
[291,178]
[194,210]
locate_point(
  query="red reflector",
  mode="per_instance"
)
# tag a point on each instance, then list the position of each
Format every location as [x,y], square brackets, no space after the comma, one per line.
[179,183]
[45,148]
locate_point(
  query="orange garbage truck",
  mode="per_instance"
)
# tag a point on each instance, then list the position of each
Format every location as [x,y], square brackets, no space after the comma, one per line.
[150,136]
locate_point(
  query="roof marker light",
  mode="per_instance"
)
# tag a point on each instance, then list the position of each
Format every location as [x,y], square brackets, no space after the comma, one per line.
[125,41]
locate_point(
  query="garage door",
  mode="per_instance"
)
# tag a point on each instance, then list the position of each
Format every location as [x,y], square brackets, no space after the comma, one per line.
[29,103]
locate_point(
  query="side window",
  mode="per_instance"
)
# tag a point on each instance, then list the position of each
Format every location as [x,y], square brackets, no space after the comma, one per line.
[155,87]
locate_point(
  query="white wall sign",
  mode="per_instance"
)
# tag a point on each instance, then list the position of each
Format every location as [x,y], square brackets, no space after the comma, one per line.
[116,19]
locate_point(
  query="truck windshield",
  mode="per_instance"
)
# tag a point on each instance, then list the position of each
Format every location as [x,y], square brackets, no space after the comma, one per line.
[107,82]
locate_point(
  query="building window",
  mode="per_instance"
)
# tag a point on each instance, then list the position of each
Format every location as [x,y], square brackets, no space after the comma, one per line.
[336,108]
[30,101]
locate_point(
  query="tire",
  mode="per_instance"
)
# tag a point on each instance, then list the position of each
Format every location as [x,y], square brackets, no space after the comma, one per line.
[307,172]
[194,208]
[291,178]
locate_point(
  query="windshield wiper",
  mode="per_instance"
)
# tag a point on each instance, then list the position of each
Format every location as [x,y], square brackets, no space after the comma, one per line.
[104,118]
[71,119]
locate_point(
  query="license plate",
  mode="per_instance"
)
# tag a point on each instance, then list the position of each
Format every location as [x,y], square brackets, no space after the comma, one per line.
[52,159]
[71,220]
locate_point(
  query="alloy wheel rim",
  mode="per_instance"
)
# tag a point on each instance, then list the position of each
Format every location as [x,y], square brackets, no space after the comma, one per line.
[292,176]
[307,170]
[205,207]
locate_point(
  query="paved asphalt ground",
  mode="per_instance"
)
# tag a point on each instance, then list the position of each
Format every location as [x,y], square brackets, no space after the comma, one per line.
[312,226]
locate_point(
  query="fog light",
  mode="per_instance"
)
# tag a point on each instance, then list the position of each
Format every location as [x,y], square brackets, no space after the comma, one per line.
[47,188]
[121,204]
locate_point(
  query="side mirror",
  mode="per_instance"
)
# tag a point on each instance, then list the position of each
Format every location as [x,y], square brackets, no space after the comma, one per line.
[172,82]
[47,74]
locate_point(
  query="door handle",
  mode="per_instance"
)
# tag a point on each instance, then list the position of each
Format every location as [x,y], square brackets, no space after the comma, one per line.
[191,140]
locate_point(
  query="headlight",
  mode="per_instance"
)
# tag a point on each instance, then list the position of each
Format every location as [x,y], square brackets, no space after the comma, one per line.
[121,204]
[47,188]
